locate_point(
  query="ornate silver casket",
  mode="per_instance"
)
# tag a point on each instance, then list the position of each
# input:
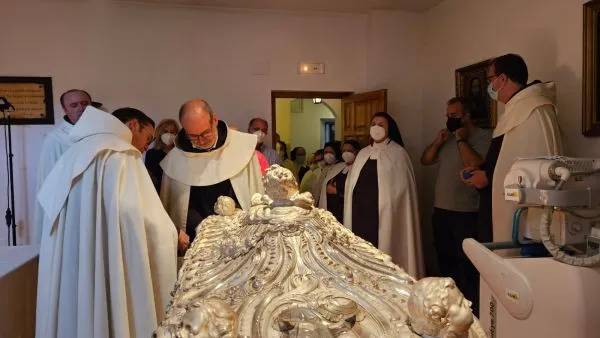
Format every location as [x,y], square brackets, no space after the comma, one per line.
[287,269]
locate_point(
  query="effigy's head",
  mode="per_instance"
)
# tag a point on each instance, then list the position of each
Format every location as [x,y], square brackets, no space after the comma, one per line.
[280,183]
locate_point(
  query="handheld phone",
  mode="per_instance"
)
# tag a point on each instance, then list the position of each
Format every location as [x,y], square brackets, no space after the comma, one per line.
[467,175]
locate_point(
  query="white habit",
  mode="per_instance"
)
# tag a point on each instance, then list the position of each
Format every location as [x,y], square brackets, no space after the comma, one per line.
[235,160]
[54,145]
[399,226]
[108,249]
[530,128]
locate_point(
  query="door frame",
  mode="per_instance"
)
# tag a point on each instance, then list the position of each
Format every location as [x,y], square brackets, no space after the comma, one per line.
[298,94]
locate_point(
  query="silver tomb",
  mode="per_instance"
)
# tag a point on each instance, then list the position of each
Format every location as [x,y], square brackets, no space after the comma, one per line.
[287,269]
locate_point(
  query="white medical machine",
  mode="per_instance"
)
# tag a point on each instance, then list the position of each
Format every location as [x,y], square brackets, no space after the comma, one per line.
[557,202]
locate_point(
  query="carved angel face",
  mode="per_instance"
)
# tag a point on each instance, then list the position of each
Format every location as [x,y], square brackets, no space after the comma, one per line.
[210,318]
[459,308]
[436,305]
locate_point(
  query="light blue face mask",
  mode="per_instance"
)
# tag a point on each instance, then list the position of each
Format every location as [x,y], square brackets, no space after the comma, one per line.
[491,92]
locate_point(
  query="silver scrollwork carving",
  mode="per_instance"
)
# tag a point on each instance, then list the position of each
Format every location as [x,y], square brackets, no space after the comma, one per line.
[286,269]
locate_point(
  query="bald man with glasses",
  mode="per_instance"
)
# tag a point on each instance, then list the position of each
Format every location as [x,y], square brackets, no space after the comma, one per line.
[209,160]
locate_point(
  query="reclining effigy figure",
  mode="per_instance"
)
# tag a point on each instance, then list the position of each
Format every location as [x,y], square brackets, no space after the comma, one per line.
[287,269]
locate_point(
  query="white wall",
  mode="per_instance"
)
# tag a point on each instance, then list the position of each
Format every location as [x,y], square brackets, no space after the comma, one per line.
[546,33]
[414,56]
[395,61]
[156,57]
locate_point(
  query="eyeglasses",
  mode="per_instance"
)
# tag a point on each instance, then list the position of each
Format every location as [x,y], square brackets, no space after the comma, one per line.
[204,136]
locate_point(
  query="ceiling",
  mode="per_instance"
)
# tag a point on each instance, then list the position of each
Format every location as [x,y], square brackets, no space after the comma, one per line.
[344,6]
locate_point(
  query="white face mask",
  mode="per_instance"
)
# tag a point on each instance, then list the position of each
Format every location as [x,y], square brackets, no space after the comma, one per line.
[377,133]
[168,138]
[261,135]
[329,158]
[348,157]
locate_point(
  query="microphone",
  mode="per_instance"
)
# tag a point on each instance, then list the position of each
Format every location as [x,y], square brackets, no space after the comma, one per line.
[5,105]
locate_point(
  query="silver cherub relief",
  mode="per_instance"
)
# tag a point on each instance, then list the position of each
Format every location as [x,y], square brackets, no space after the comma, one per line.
[287,269]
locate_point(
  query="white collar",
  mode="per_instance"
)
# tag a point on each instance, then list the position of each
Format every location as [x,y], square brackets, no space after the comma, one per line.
[95,121]
[211,167]
[376,148]
[216,140]
[381,145]
[347,168]
[522,104]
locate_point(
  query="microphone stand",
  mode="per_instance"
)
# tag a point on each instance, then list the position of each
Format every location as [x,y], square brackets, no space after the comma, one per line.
[10,210]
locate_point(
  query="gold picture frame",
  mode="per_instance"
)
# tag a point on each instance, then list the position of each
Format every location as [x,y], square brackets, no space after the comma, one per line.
[590,88]
[31,98]
[471,83]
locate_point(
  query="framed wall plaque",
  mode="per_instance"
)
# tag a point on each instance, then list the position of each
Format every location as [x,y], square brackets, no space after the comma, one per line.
[591,71]
[31,97]
[471,83]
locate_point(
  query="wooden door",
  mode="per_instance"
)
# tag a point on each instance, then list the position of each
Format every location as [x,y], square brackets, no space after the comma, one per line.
[357,110]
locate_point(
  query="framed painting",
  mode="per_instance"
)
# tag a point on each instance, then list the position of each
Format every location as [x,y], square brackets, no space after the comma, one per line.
[31,97]
[471,82]
[591,71]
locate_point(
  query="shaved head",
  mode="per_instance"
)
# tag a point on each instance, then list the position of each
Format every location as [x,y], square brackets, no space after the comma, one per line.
[195,107]
[199,123]
[74,102]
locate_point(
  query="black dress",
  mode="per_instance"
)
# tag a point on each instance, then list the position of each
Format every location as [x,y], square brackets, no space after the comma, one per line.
[485,227]
[152,161]
[365,204]
[303,170]
[335,202]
